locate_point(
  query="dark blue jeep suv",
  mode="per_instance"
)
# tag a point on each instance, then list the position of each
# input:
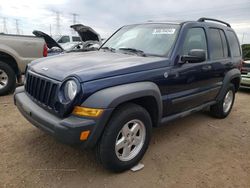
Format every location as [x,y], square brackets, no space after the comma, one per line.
[143,76]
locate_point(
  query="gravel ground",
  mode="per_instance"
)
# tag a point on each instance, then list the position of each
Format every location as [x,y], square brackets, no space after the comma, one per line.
[196,151]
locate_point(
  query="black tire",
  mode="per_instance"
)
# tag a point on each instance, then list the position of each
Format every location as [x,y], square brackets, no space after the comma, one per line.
[217,109]
[106,151]
[11,84]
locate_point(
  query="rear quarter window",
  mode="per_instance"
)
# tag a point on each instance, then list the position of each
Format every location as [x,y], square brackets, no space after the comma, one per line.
[234,44]
[76,39]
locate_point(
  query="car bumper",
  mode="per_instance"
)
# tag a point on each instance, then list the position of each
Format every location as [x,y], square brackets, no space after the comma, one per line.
[66,130]
[245,81]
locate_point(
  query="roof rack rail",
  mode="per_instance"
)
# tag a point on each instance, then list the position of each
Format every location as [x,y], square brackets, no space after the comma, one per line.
[214,20]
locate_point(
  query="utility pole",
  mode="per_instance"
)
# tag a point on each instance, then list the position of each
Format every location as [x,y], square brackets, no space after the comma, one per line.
[243,36]
[17,27]
[58,20]
[74,21]
[74,17]
[50,30]
[5,26]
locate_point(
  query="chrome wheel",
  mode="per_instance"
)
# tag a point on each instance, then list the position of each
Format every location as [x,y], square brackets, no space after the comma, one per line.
[130,140]
[3,79]
[228,101]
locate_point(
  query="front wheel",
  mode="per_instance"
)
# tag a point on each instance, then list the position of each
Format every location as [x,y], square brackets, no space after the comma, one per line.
[224,106]
[126,138]
[7,79]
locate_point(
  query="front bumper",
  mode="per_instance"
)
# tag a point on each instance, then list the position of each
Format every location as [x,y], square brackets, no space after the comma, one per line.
[245,81]
[66,130]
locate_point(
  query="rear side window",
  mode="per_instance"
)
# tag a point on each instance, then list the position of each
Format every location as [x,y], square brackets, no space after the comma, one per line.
[224,42]
[216,51]
[76,39]
[234,44]
[195,39]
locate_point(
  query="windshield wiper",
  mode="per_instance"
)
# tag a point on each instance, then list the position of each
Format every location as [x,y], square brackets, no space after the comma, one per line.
[134,50]
[108,48]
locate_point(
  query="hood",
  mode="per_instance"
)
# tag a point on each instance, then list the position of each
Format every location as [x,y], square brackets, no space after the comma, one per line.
[94,65]
[48,39]
[86,33]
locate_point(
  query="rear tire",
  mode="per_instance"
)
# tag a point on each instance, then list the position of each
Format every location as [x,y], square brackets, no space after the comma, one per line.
[125,139]
[224,106]
[7,79]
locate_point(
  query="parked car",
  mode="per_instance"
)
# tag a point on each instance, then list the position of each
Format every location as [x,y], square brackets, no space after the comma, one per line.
[143,76]
[245,74]
[89,40]
[16,51]
[66,38]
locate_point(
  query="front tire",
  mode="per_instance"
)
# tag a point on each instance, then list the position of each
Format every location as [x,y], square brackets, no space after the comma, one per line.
[126,138]
[7,79]
[224,106]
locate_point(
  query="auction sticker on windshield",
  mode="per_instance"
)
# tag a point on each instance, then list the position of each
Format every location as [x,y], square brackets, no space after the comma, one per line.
[164,31]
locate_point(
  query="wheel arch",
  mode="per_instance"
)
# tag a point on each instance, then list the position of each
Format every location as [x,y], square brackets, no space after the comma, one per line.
[233,76]
[145,94]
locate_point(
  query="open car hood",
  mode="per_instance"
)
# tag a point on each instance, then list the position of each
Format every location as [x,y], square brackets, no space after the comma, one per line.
[48,39]
[86,33]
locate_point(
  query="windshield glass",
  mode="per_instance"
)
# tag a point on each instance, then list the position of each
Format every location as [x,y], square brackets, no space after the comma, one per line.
[152,39]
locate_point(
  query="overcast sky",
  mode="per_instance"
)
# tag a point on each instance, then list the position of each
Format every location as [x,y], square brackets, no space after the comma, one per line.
[108,15]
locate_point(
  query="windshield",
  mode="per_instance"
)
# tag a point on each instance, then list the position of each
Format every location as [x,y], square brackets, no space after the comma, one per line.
[152,39]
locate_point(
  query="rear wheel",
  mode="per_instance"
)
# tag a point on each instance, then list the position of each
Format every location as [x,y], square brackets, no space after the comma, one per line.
[7,79]
[223,107]
[126,138]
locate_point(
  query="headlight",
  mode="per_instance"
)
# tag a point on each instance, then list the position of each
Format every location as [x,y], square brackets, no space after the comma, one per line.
[70,90]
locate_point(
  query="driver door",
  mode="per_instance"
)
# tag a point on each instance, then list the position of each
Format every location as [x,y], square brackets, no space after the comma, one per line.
[190,81]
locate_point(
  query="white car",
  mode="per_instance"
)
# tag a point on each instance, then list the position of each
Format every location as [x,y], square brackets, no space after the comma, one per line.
[66,38]
[245,74]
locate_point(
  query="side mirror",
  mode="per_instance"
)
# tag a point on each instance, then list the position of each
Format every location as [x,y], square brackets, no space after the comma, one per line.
[194,56]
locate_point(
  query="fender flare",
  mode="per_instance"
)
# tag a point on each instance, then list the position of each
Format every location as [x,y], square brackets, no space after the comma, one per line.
[230,75]
[113,96]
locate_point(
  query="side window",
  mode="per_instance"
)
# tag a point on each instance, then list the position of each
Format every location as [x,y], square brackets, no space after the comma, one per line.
[64,39]
[195,39]
[216,51]
[76,39]
[234,44]
[224,42]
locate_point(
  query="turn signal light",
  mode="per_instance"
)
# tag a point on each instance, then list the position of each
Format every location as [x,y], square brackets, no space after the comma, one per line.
[88,112]
[84,135]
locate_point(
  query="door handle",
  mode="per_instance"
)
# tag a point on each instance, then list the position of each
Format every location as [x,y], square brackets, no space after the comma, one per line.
[206,67]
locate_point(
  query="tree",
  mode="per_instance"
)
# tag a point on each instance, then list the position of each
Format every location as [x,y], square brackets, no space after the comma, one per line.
[246,51]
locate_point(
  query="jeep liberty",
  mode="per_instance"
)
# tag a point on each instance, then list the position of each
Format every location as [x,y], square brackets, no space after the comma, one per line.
[143,76]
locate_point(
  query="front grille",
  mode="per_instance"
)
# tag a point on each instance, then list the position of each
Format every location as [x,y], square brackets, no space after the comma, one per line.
[41,89]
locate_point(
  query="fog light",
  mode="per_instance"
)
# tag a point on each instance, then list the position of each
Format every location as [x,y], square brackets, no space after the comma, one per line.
[84,135]
[89,112]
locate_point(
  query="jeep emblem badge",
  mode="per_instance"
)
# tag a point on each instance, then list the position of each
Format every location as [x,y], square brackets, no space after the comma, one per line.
[45,68]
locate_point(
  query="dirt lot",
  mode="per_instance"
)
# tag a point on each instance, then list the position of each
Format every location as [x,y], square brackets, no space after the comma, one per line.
[196,151]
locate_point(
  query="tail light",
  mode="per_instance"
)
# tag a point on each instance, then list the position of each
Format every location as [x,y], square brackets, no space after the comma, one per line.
[45,50]
[240,65]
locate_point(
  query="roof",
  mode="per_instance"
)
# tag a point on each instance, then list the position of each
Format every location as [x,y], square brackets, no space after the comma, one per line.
[209,21]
